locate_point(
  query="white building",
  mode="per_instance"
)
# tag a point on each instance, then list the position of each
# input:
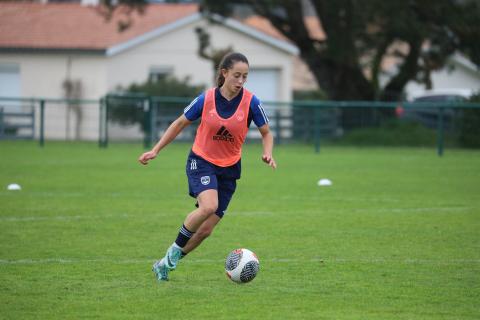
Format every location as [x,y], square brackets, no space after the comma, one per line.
[44,45]
[460,76]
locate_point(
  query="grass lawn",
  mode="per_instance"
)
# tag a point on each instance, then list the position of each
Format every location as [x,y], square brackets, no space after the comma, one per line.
[397,235]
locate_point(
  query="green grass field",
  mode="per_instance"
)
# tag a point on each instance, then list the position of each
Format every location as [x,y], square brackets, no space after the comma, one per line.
[397,236]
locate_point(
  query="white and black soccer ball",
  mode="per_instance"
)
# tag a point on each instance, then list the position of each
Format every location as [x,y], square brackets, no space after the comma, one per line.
[242,265]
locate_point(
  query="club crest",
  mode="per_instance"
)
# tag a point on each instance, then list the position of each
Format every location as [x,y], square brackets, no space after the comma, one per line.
[205,180]
[240,116]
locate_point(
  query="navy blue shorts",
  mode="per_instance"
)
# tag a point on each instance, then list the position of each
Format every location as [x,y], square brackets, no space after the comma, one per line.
[203,175]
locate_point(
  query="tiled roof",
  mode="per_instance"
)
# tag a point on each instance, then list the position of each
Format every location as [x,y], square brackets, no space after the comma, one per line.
[33,25]
[73,26]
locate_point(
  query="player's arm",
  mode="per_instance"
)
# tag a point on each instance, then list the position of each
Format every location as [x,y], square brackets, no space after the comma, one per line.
[172,131]
[259,116]
[267,141]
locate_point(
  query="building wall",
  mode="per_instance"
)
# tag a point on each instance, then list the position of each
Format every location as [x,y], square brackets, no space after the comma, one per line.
[178,50]
[456,76]
[175,51]
[42,76]
[260,56]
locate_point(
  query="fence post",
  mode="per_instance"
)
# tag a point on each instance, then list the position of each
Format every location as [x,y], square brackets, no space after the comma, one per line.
[101,111]
[440,134]
[316,128]
[153,121]
[105,124]
[278,129]
[33,121]
[147,122]
[42,123]
[1,123]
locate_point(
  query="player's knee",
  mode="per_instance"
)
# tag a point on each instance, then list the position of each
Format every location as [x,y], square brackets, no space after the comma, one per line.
[209,208]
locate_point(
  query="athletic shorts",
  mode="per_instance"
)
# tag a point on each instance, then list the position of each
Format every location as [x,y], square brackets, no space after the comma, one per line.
[203,175]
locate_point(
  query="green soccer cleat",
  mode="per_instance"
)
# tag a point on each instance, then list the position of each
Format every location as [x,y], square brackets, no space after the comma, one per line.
[161,270]
[174,254]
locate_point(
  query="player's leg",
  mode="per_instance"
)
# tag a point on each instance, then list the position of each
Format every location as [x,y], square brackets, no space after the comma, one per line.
[202,233]
[226,188]
[207,205]
[202,184]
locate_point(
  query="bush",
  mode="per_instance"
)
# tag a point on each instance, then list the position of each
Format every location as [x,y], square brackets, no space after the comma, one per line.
[167,87]
[391,133]
[127,108]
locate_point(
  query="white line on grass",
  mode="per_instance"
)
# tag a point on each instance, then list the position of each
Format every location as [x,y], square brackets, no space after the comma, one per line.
[109,216]
[271,260]
[428,209]
[76,217]
[251,213]
[235,213]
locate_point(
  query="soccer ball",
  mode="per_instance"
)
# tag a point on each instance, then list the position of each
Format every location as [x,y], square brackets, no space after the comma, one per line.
[241,265]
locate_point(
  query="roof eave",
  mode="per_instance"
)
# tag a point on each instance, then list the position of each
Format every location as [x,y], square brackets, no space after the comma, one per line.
[254,33]
[121,47]
[231,23]
[93,51]
[462,60]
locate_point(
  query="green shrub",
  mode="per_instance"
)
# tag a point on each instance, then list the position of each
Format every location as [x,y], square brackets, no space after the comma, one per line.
[391,133]
[130,109]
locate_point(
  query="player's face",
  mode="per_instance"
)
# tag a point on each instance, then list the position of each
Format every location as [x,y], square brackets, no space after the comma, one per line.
[236,77]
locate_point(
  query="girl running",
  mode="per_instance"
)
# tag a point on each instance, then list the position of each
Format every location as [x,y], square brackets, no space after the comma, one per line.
[214,163]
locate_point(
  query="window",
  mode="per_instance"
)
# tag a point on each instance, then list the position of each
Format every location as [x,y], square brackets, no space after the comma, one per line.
[158,73]
[10,80]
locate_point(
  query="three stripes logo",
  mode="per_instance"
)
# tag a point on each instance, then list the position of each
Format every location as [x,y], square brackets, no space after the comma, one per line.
[193,164]
[223,135]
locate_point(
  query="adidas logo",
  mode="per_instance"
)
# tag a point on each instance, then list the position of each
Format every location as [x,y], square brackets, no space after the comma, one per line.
[223,134]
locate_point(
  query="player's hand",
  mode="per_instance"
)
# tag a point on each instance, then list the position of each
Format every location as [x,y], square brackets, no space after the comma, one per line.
[270,161]
[147,156]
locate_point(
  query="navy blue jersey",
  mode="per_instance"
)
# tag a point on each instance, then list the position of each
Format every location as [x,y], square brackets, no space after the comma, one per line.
[226,109]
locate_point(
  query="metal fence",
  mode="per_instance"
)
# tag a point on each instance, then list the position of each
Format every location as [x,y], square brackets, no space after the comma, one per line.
[144,118]
[49,119]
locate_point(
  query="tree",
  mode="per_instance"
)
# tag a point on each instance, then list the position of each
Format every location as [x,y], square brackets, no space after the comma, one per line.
[360,35]
[206,51]
[124,8]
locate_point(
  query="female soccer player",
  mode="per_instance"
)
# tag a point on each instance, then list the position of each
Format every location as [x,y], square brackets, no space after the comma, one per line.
[214,164]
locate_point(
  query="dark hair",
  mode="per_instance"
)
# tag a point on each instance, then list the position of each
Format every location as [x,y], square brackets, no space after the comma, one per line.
[227,63]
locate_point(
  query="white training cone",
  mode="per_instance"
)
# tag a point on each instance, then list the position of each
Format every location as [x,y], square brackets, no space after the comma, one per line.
[324,182]
[14,186]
